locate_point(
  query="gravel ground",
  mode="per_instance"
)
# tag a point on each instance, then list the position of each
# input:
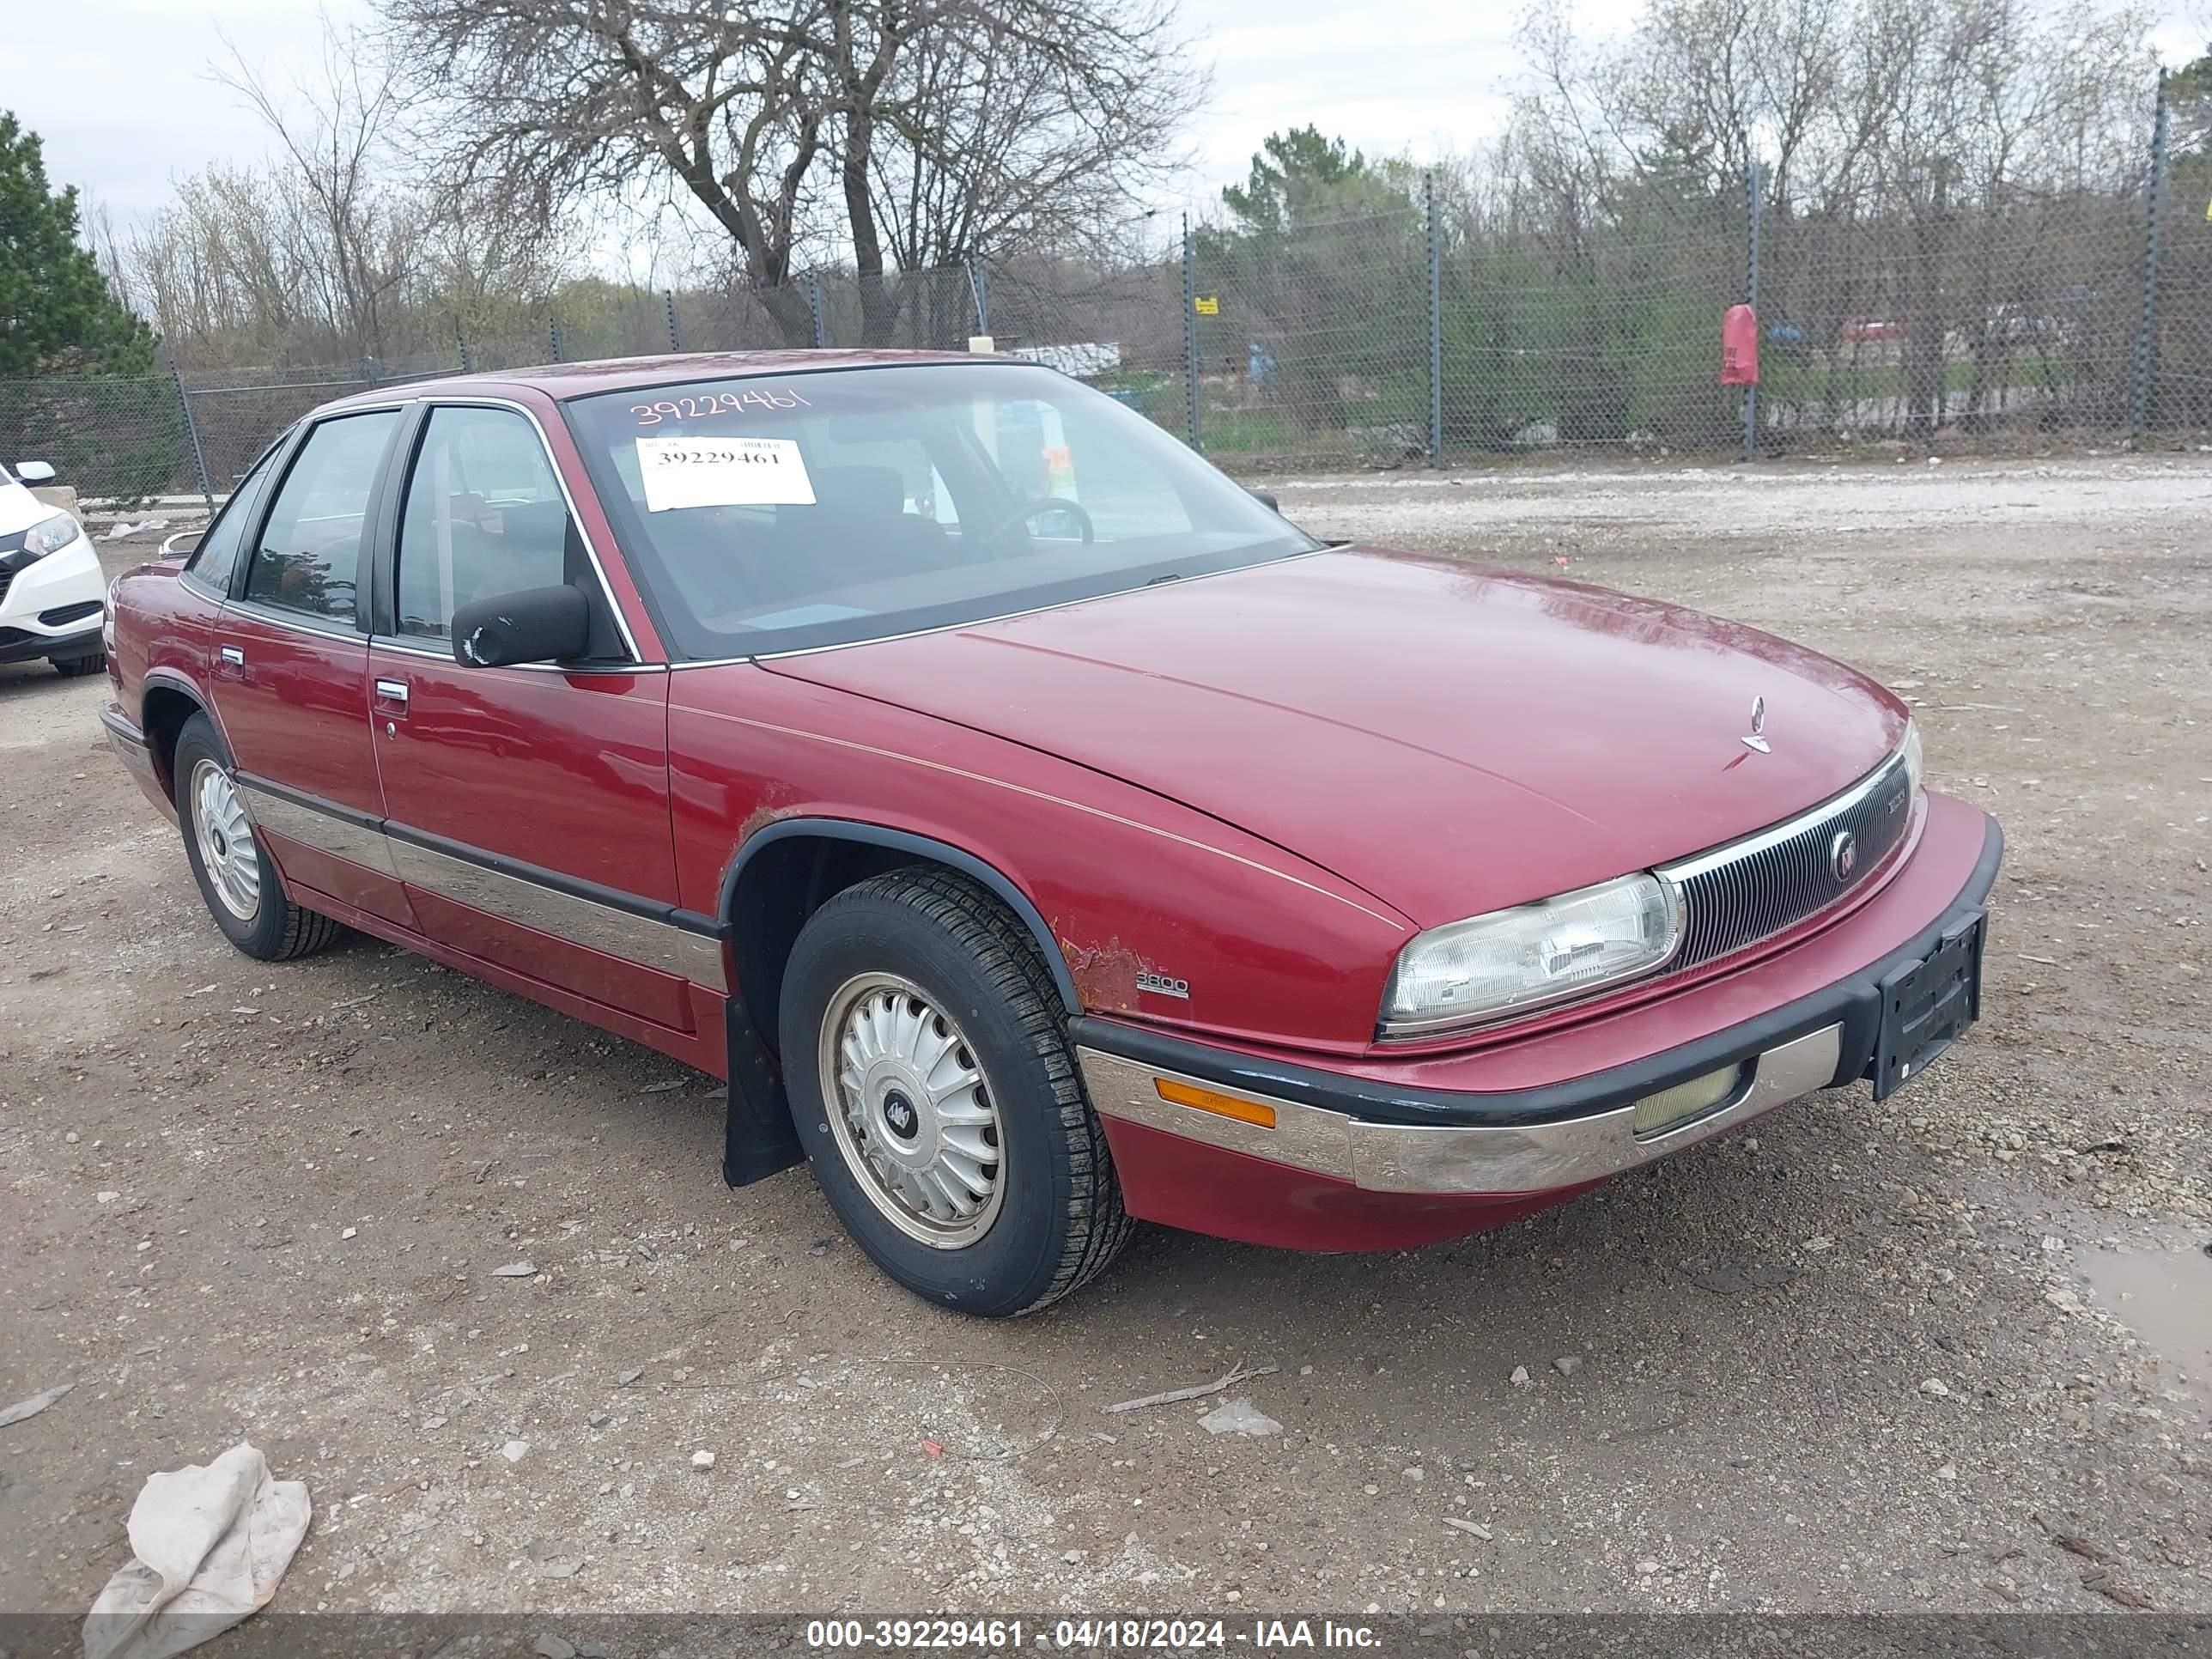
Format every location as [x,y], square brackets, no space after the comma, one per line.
[1953,1351]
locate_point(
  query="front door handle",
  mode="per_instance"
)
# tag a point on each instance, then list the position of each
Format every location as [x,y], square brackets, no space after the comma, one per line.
[391,691]
[234,656]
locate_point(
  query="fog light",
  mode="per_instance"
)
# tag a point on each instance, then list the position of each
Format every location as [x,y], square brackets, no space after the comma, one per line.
[1687,1100]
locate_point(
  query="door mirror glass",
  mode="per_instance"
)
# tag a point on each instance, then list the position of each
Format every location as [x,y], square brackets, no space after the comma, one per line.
[535,624]
[34,473]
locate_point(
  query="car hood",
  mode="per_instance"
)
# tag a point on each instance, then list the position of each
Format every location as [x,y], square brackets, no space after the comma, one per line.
[1451,738]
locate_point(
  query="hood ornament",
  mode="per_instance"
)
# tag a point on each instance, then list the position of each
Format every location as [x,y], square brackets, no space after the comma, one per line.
[1756,741]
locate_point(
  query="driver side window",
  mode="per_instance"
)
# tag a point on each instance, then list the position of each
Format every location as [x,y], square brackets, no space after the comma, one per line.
[485,516]
[308,557]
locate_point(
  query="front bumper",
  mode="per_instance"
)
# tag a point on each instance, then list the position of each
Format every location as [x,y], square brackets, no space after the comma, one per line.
[1364,1134]
[21,645]
[53,606]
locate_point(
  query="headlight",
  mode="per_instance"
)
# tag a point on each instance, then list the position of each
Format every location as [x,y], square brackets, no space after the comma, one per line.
[50,535]
[1534,954]
[1911,749]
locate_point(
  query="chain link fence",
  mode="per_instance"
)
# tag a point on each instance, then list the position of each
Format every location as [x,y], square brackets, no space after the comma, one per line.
[1421,331]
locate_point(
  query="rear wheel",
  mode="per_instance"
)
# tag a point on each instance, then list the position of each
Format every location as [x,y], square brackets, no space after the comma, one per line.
[934,1088]
[237,879]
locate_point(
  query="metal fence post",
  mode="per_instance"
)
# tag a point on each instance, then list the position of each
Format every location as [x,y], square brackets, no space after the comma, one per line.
[553,337]
[675,340]
[814,306]
[1190,336]
[1753,207]
[193,432]
[1436,324]
[2147,324]
[979,284]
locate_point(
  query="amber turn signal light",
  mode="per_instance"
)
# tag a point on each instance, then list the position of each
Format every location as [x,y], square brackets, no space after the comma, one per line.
[1205,1100]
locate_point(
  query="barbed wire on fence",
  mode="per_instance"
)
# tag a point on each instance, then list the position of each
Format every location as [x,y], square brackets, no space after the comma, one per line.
[1413,332]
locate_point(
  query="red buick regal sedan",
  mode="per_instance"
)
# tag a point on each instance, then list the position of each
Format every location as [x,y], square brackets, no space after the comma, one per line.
[1035,829]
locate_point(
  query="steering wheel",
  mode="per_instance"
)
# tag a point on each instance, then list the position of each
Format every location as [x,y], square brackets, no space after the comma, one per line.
[1046,504]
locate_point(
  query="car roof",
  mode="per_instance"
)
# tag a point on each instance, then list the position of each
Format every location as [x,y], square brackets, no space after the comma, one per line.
[565,380]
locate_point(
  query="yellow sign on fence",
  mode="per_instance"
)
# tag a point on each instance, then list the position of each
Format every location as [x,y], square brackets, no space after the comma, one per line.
[1207,305]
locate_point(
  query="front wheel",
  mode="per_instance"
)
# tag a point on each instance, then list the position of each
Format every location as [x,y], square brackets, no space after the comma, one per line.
[70,668]
[931,1078]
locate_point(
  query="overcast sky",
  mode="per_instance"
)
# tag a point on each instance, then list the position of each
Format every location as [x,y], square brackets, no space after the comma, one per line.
[120,93]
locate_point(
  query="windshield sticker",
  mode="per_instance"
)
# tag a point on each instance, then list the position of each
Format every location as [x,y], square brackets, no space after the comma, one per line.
[723,472]
[717,403]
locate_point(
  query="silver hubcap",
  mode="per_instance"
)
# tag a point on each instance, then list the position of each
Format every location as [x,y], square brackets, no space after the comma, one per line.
[911,1111]
[225,839]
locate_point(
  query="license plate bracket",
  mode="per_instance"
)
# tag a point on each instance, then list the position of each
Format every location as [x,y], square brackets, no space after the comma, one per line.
[1927,1005]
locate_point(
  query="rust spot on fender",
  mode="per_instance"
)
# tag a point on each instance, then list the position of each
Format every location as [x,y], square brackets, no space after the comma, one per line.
[1105,976]
[758,820]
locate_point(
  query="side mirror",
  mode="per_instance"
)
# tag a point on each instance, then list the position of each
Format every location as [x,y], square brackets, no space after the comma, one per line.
[538,624]
[1265,500]
[33,473]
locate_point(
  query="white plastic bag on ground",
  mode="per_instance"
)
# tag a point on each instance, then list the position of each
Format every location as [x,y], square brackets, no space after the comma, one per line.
[210,1544]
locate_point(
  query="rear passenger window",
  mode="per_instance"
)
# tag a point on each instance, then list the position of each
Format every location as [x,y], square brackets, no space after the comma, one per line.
[309,556]
[216,555]
[485,516]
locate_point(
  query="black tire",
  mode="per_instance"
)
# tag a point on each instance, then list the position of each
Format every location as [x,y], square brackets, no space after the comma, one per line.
[276,930]
[70,668]
[1059,1219]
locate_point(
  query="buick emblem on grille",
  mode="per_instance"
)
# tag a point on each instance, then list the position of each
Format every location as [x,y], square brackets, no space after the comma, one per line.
[1844,854]
[1757,740]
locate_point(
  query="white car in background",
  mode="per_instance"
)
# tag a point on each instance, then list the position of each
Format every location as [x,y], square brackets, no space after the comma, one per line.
[53,597]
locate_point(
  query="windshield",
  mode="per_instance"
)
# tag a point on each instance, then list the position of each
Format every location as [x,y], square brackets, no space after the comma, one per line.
[785,511]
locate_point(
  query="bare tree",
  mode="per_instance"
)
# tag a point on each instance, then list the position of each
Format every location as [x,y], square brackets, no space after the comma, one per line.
[793,123]
[336,133]
[1004,141]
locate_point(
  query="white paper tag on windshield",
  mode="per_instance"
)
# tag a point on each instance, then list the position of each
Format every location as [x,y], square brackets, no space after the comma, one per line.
[723,472]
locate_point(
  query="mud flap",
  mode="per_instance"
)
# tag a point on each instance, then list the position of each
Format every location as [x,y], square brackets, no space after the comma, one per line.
[757,1136]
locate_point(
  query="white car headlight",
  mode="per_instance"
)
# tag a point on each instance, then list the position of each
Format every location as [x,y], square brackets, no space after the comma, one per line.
[50,535]
[1512,961]
[1911,749]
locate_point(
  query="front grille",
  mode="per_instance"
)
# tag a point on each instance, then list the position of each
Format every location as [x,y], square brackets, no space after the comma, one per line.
[1750,889]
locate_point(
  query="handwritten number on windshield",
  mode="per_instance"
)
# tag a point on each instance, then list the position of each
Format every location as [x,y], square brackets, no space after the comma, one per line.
[717,403]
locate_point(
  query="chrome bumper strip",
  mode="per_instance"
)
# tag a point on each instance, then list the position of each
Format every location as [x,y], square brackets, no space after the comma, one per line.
[1390,1157]
[660,945]
[357,843]
[666,947]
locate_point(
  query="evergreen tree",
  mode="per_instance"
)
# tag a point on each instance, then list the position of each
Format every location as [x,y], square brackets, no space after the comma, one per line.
[58,314]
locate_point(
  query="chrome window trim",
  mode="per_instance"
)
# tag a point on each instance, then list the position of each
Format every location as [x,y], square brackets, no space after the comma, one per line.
[409,647]
[1500,1160]
[437,401]
[297,621]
